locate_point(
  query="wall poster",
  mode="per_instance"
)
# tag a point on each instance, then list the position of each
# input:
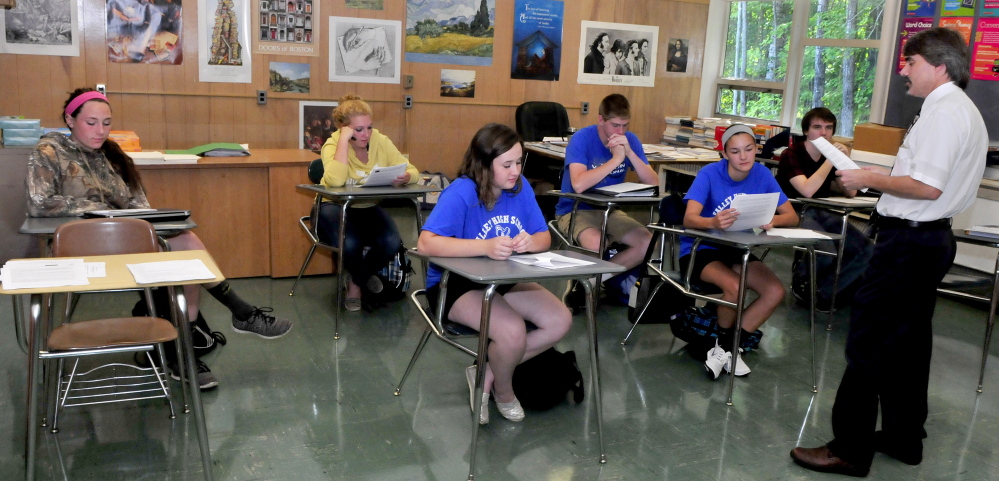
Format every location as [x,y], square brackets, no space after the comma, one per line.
[286,27]
[144,32]
[910,26]
[446,31]
[365,50]
[41,27]
[985,60]
[537,39]
[617,54]
[223,38]
[315,124]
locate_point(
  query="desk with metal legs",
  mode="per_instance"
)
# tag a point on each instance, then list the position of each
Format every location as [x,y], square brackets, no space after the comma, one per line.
[349,194]
[961,236]
[746,241]
[607,203]
[843,208]
[493,273]
[118,277]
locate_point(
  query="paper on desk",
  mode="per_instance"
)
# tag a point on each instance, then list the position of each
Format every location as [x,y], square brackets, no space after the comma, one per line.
[381,176]
[797,233]
[754,210]
[120,212]
[853,200]
[42,273]
[96,269]
[838,159]
[549,260]
[169,271]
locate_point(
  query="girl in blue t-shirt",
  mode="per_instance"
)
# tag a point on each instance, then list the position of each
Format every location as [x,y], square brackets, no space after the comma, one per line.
[488,211]
[708,202]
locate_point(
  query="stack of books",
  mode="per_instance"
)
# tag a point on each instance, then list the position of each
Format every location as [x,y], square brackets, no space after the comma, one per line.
[17,131]
[990,231]
[154,158]
[126,139]
[679,130]
[693,131]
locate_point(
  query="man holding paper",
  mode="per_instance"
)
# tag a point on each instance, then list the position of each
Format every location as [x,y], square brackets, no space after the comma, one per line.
[598,156]
[935,177]
[804,171]
[711,199]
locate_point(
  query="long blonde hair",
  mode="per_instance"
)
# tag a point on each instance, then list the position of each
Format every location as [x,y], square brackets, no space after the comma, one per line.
[349,106]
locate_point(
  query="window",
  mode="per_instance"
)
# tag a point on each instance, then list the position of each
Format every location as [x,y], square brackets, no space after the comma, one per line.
[778,59]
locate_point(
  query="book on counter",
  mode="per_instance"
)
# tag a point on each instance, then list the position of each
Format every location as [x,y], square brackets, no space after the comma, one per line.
[216,149]
[627,189]
[155,158]
[990,231]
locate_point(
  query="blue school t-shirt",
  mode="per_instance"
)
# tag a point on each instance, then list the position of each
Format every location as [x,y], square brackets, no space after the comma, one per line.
[714,189]
[459,214]
[585,147]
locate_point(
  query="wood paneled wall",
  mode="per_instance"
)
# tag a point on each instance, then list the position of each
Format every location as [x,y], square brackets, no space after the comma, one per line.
[170,109]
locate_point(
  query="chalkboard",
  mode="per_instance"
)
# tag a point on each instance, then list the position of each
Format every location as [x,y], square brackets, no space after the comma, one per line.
[902,108]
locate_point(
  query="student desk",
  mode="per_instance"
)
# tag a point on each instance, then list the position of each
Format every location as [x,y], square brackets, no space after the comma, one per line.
[247,207]
[961,236]
[44,227]
[349,194]
[493,273]
[118,277]
[605,202]
[746,241]
[843,209]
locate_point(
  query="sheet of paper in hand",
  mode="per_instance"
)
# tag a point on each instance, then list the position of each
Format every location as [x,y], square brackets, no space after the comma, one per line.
[755,210]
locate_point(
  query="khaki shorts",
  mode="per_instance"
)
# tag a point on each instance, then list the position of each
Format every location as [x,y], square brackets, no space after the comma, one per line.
[619,224]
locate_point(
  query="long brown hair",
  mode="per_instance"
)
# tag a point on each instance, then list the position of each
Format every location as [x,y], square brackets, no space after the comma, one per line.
[120,161]
[489,142]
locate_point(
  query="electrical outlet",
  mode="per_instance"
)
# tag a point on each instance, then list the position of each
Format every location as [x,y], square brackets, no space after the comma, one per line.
[261,97]
[408,102]
[584,108]
[408,84]
[102,88]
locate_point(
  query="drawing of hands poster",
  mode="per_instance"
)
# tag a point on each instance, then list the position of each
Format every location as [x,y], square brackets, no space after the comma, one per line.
[365,50]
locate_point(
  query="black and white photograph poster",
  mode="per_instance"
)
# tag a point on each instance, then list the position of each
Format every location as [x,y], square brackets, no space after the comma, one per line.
[365,50]
[41,27]
[617,54]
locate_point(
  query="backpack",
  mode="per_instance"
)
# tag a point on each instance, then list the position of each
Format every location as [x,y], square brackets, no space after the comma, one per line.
[699,326]
[395,277]
[437,179]
[659,309]
[549,378]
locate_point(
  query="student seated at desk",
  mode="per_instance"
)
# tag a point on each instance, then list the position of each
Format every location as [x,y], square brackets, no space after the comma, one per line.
[804,172]
[708,202]
[70,175]
[488,211]
[598,156]
[351,162]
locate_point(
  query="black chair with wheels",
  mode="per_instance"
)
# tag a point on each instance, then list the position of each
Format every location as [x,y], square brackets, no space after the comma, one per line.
[537,120]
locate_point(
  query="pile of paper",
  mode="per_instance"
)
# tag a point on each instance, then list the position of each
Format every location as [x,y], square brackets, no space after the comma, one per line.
[42,273]
[154,158]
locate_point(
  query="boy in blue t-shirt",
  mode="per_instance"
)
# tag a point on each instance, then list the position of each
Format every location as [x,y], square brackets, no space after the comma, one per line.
[598,156]
[709,207]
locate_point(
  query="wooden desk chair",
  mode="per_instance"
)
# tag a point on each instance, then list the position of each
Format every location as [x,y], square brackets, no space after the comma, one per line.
[104,384]
[310,223]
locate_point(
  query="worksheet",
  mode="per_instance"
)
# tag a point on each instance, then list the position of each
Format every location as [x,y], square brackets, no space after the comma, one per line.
[754,210]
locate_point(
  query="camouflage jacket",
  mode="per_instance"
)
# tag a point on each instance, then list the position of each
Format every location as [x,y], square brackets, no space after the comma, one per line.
[65,180]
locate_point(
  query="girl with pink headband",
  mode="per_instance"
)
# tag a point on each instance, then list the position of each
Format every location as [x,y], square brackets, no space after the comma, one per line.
[84,171]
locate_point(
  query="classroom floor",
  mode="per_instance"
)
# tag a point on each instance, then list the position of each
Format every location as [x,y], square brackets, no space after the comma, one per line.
[307,407]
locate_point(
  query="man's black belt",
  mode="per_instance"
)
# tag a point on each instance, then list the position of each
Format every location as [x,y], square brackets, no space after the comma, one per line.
[896,223]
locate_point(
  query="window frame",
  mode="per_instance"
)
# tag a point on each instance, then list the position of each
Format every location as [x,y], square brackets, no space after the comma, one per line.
[714,58]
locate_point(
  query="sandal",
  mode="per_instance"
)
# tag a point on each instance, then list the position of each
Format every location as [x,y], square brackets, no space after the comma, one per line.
[352,304]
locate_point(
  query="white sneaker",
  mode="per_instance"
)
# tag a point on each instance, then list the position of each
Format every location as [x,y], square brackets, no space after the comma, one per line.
[741,369]
[718,358]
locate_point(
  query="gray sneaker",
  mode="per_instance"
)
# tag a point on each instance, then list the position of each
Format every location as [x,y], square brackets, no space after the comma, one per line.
[262,323]
[206,380]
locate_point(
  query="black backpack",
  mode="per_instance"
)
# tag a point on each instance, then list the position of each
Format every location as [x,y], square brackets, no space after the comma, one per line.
[395,277]
[549,378]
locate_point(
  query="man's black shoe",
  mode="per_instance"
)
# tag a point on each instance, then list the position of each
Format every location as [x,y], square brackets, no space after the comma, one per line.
[823,460]
[907,452]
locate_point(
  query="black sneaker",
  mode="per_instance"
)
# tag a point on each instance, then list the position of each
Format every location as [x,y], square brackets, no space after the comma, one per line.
[574,297]
[206,380]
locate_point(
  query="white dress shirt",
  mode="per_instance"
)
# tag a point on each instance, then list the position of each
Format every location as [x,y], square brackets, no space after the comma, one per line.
[944,149]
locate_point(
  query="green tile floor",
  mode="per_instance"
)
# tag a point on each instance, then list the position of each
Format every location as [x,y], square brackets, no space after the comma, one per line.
[306,407]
